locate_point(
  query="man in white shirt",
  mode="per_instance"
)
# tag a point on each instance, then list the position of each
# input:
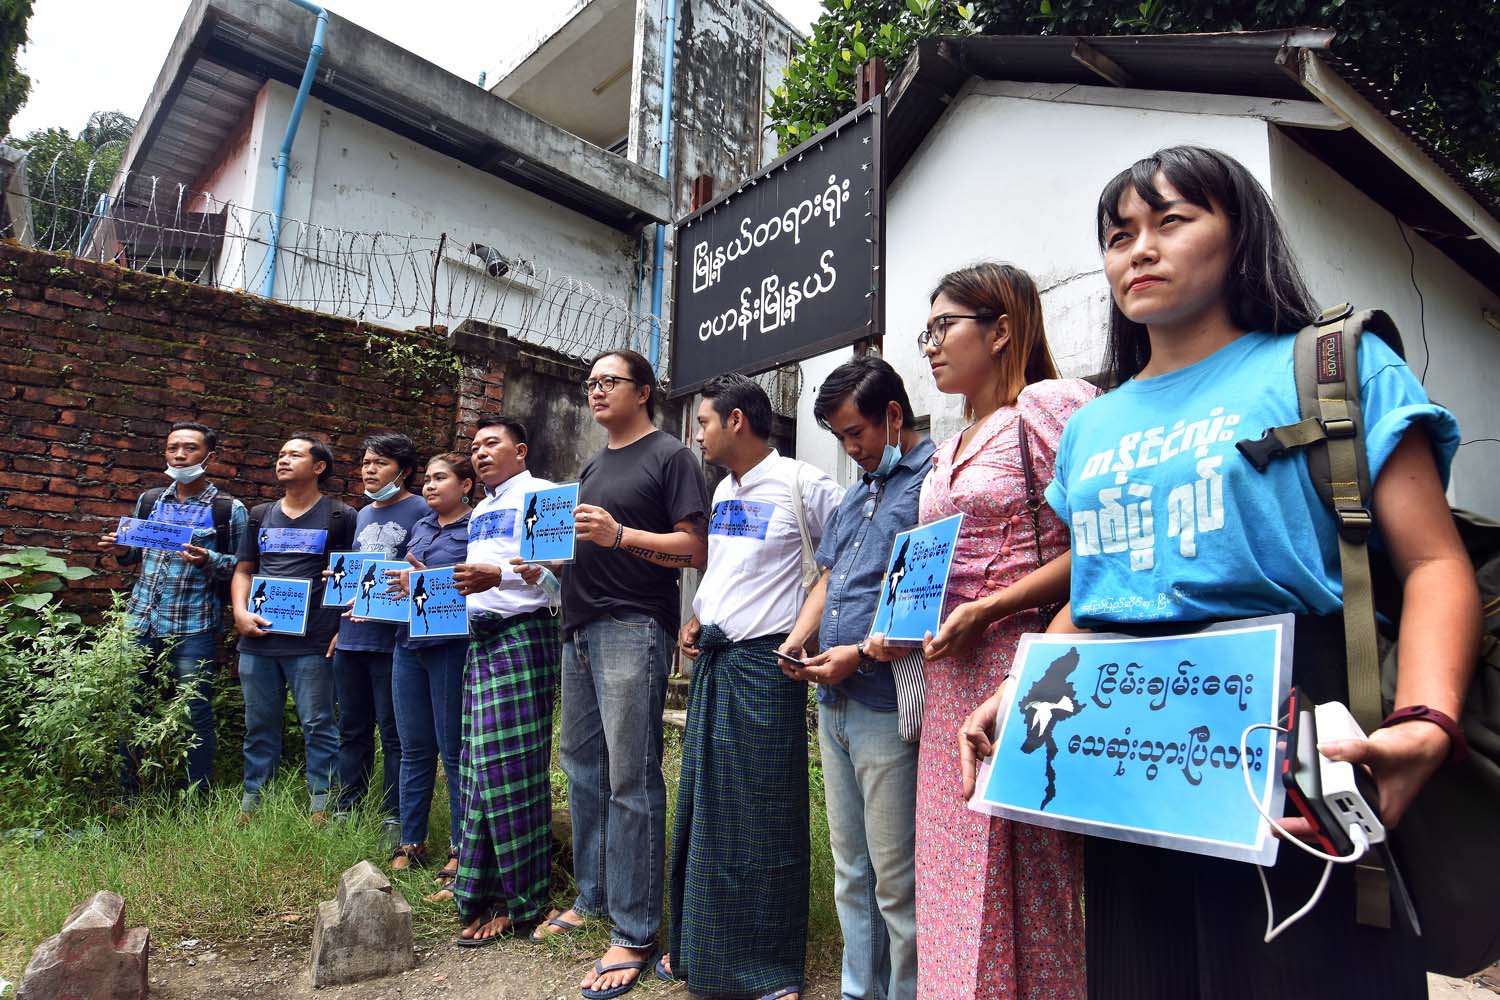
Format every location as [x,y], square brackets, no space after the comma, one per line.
[510,685]
[739,880]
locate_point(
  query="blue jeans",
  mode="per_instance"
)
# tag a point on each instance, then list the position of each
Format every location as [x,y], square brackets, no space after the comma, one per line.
[264,680]
[363,682]
[870,787]
[427,684]
[614,686]
[193,659]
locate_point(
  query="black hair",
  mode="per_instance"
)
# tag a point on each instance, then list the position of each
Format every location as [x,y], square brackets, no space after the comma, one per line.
[1264,288]
[210,437]
[733,391]
[873,385]
[320,452]
[640,371]
[513,427]
[398,448]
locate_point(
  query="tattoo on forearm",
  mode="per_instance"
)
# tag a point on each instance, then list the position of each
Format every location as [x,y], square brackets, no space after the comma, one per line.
[665,558]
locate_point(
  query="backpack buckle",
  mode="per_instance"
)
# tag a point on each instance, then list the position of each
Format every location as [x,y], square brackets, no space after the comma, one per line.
[1338,428]
[1261,450]
[1354,523]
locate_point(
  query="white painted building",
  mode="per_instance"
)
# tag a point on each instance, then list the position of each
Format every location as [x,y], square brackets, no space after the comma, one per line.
[1000,146]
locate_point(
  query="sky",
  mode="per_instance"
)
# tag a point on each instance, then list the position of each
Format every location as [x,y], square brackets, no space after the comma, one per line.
[103,55]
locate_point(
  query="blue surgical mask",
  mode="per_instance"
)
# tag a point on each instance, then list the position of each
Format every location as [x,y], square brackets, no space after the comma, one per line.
[187,474]
[551,586]
[387,491]
[889,457]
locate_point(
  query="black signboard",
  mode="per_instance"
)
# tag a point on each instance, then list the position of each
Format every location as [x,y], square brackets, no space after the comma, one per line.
[787,266]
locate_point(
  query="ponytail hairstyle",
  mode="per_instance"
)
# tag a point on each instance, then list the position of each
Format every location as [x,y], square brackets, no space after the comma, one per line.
[461,466]
[992,289]
[1264,289]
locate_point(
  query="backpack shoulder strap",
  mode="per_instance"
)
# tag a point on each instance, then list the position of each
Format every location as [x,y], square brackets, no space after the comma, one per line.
[223,510]
[1331,432]
[799,509]
[341,525]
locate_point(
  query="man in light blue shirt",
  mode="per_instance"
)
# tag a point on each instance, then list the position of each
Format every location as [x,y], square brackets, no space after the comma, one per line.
[866,736]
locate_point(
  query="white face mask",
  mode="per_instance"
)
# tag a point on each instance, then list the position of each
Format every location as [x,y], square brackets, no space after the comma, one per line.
[188,474]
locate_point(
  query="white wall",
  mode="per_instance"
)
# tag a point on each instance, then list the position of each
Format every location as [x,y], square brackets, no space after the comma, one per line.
[1017,179]
[349,176]
[1351,250]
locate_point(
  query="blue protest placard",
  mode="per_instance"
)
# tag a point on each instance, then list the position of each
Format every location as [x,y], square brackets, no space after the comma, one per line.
[1138,739]
[547,524]
[282,601]
[193,515]
[344,569]
[916,581]
[152,534]
[303,540]
[372,597]
[437,608]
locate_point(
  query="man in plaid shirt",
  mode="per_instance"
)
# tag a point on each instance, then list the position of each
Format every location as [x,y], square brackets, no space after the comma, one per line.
[176,602]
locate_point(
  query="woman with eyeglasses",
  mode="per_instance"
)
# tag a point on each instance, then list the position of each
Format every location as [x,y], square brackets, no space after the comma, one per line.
[642,516]
[997,902]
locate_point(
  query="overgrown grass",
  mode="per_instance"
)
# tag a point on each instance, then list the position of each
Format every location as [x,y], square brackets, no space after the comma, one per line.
[185,870]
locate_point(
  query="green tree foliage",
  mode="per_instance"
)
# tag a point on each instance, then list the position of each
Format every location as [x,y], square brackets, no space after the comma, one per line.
[14,85]
[1441,67]
[66,174]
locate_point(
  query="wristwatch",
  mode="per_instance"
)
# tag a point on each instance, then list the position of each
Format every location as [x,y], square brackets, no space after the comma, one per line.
[1458,748]
[866,664]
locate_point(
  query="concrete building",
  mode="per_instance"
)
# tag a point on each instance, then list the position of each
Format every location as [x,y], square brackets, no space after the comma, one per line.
[999,147]
[414,196]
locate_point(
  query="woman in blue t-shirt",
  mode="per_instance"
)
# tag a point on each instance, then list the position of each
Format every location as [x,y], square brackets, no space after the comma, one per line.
[1170,524]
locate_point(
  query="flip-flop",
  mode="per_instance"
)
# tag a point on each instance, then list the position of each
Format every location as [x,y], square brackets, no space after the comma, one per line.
[485,942]
[556,920]
[619,991]
[785,991]
[661,971]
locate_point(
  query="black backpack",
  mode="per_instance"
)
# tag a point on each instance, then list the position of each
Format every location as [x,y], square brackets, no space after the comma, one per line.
[1446,844]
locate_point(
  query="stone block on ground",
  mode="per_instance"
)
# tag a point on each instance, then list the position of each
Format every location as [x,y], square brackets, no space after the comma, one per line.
[364,933]
[94,957]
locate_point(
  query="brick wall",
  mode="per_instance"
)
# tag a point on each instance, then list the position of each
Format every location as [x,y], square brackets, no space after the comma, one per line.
[96,361]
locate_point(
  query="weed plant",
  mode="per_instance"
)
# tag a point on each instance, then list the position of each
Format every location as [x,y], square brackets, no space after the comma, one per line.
[71,695]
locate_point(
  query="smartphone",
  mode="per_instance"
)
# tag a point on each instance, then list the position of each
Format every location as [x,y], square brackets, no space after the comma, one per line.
[788,657]
[1301,775]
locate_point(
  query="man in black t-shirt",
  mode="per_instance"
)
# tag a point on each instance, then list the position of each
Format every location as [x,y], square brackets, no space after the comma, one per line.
[642,516]
[291,538]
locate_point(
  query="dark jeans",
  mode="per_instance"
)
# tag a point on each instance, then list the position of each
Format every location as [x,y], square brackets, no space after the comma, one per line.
[192,659]
[362,681]
[428,683]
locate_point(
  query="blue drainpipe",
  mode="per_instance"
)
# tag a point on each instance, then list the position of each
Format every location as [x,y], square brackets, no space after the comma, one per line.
[284,155]
[669,47]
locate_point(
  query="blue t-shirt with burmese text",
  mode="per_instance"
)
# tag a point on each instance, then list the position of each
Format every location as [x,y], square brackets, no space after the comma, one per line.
[1170,522]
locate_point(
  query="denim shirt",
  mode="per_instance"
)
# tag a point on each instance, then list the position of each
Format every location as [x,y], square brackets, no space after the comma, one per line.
[855,548]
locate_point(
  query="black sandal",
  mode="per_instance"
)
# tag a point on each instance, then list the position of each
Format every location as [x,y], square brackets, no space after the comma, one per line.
[415,854]
[444,876]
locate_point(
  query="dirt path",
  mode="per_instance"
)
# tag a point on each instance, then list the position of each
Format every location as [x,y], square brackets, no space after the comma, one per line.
[275,965]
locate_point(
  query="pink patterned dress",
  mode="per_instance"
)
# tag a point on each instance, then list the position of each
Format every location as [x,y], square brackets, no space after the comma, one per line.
[998,911]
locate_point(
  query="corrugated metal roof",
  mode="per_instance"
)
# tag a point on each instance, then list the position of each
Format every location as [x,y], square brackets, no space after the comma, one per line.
[1249,64]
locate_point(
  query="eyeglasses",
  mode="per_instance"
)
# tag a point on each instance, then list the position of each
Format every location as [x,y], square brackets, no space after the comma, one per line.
[935,332]
[604,382]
